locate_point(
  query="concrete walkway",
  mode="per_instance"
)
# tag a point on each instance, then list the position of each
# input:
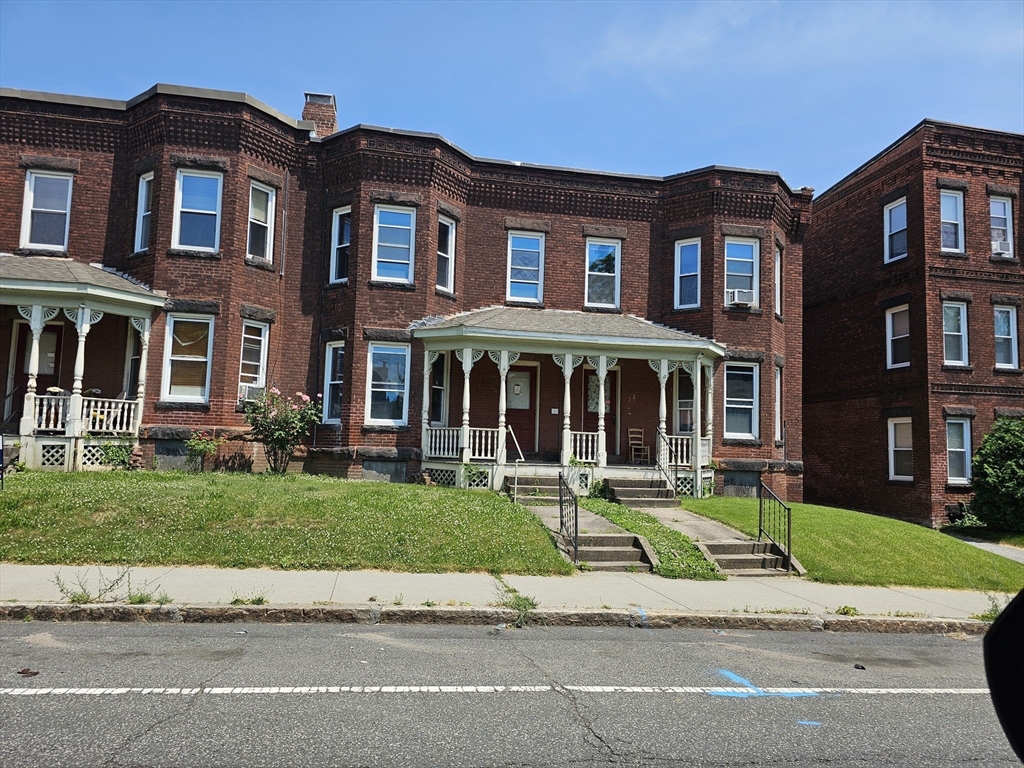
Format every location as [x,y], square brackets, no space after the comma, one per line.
[1013,553]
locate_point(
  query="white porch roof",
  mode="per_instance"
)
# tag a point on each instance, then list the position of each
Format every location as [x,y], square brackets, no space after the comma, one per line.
[520,329]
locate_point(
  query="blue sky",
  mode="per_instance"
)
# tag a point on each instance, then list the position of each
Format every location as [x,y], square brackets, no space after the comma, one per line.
[811,89]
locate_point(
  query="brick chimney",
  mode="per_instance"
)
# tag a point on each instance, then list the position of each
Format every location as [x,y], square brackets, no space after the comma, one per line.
[321,109]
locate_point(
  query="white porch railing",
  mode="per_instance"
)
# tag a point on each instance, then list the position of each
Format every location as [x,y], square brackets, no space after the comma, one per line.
[443,442]
[679,448]
[106,415]
[51,412]
[483,443]
[584,447]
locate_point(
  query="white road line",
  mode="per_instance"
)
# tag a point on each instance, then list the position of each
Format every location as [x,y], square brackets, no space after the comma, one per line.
[594,689]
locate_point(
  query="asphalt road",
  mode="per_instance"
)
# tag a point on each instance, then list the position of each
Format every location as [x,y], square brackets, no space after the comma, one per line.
[331,695]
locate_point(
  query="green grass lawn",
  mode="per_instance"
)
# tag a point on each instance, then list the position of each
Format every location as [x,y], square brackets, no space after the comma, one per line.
[680,558]
[838,546]
[244,521]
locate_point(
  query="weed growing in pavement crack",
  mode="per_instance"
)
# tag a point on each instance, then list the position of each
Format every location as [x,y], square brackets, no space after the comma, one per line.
[993,610]
[523,605]
[847,610]
[257,598]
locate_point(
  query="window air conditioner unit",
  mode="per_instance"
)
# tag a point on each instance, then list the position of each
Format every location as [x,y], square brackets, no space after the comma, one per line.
[249,392]
[739,298]
[1000,247]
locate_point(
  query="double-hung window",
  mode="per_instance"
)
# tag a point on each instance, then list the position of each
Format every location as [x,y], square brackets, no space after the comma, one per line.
[603,272]
[896,230]
[687,293]
[901,449]
[46,213]
[525,267]
[958,450]
[197,200]
[144,212]
[954,333]
[897,337]
[387,385]
[741,406]
[439,390]
[1006,336]
[778,281]
[261,221]
[1001,222]
[446,254]
[741,272]
[341,242]
[952,206]
[252,373]
[334,381]
[394,243]
[188,349]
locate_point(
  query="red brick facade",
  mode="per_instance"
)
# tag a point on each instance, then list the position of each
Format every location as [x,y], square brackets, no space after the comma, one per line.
[850,393]
[168,129]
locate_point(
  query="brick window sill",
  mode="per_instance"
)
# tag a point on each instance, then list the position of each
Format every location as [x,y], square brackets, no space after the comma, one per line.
[603,310]
[958,488]
[140,254]
[336,284]
[445,293]
[264,264]
[779,317]
[382,428]
[960,368]
[1004,260]
[388,285]
[525,304]
[60,253]
[954,255]
[747,442]
[744,310]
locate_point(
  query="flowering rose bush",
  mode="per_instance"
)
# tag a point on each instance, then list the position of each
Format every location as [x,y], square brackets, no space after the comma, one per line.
[281,423]
[199,446]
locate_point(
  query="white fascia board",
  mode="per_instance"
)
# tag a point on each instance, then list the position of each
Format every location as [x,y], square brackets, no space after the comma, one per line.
[73,294]
[524,341]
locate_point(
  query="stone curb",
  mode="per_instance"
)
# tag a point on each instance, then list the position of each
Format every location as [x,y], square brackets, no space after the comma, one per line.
[483,616]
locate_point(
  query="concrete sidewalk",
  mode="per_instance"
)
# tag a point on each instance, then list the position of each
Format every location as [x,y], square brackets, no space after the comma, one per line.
[28,584]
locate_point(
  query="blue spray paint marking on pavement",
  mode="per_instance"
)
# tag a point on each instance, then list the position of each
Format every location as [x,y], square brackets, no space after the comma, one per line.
[807,722]
[753,690]
[643,616]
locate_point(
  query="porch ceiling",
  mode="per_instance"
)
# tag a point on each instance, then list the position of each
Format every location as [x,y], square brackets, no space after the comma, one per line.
[555,330]
[63,282]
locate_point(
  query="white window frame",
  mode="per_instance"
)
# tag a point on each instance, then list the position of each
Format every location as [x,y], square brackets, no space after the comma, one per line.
[1012,312]
[29,202]
[778,404]
[450,256]
[176,224]
[892,446]
[617,245]
[778,281]
[889,232]
[755,404]
[961,308]
[889,338]
[165,384]
[404,349]
[966,479]
[680,244]
[141,213]
[411,212]
[271,216]
[756,280]
[330,379]
[261,379]
[539,236]
[959,197]
[1009,223]
[336,246]
[447,357]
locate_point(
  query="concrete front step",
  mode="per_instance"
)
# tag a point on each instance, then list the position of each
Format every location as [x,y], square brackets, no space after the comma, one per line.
[730,563]
[610,554]
[618,482]
[760,572]
[607,540]
[626,494]
[535,500]
[738,547]
[619,567]
[643,504]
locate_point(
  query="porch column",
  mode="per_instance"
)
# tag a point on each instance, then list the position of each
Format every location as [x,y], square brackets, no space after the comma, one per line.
[602,364]
[567,362]
[663,368]
[142,325]
[696,374]
[83,318]
[429,357]
[709,421]
[37,317]
[468,357]
[504,360]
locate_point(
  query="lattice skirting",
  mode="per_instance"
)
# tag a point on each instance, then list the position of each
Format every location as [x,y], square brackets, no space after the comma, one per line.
[445,477]
[53,456]
[480,478]
[684,485]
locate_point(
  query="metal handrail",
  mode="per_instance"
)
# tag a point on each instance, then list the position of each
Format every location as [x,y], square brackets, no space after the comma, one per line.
[663,443]
[775,522]
[569,524]
[521,459]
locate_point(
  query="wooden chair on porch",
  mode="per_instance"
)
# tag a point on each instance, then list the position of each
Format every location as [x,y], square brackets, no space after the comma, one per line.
[639,452]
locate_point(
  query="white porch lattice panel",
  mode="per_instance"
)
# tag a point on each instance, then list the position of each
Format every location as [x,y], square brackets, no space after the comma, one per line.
[684,485]
[53,456]
[444,477]
[92,457]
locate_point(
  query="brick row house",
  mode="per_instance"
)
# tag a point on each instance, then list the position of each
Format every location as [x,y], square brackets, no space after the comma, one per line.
[912,298]
[166,258]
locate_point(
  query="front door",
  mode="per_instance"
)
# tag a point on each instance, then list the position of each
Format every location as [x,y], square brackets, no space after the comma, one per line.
[591,390]
[521,409]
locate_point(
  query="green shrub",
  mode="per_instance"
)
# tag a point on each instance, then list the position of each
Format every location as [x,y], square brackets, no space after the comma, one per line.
[281,423]
[998,481]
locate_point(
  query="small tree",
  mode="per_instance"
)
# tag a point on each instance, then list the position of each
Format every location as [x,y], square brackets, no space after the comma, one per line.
[281,423]
[998,476]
